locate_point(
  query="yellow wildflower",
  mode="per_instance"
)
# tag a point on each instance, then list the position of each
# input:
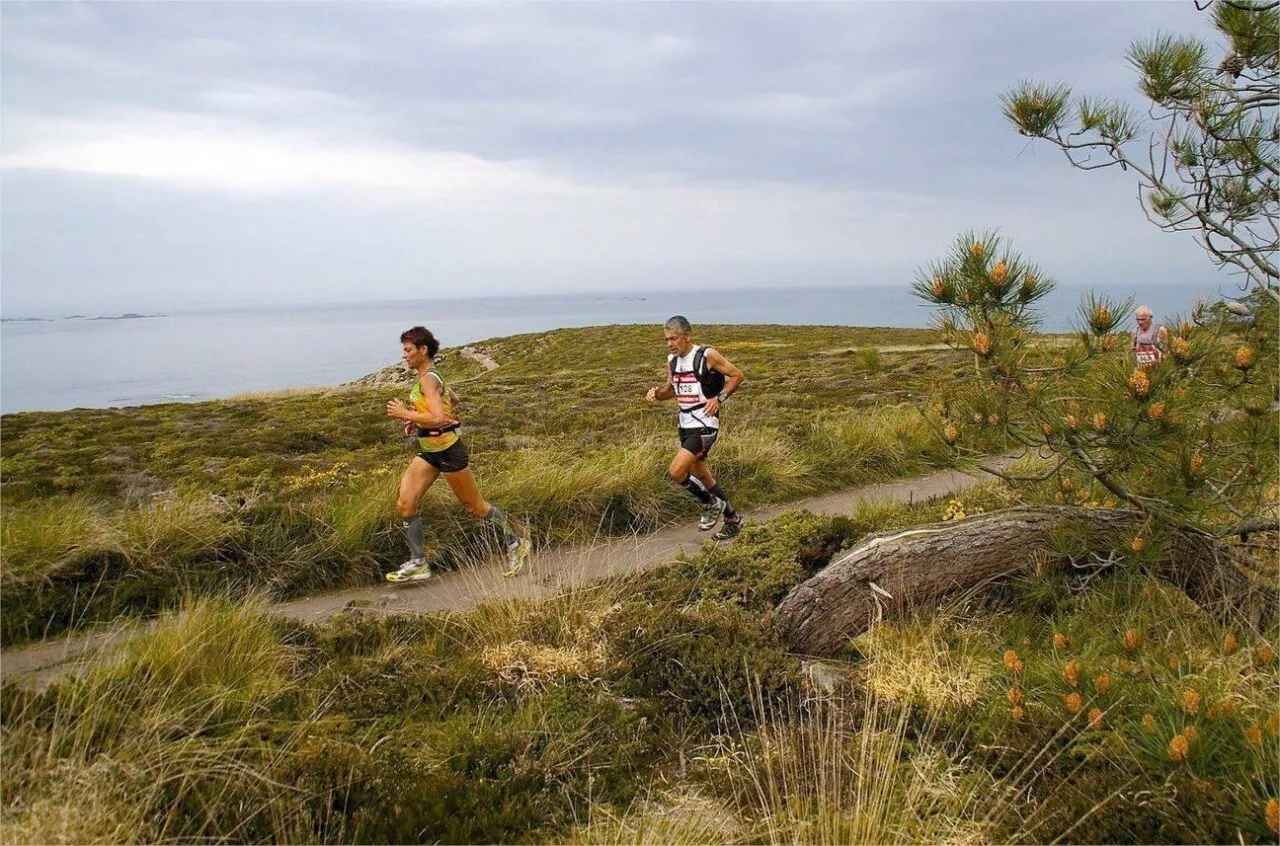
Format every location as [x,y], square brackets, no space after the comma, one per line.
[1266,655]
[1102,683]
[1230,644]
[1071,421]
[1014,696]
[977,249]
[1191,732]
[1179,746]
[1100,421]
[1131,636]
[1191,701]
[1138,544]
[1017,713]
[1095,719]
[1253,737]
[1273,724]
[1046,429]
[1197,465]
[1011,660]
[1074,702]
[938,287]
[1273,816]
[951,434]
[1060,640]
[1244,358]
[993,419]
[981,343]
[1155,411]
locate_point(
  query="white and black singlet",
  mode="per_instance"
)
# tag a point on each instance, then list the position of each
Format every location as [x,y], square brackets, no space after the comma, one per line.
[689,393]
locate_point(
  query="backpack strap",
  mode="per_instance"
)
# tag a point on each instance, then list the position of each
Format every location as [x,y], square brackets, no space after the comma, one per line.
[700,362]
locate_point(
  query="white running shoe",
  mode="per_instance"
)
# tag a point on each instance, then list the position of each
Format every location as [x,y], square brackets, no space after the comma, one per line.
[711,514]
[413,570]
[517,555]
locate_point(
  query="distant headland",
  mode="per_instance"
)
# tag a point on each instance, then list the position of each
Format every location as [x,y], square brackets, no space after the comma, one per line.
[128,315]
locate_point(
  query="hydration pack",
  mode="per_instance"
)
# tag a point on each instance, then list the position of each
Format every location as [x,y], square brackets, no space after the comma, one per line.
[712,381]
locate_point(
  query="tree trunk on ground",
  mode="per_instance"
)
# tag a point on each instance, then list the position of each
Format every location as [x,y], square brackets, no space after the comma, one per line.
[892,572]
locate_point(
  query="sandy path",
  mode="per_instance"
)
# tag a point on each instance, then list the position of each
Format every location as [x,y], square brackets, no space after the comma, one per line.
[549,572]
[479,357]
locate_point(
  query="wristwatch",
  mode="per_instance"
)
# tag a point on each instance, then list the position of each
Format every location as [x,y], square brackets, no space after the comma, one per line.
[722,397]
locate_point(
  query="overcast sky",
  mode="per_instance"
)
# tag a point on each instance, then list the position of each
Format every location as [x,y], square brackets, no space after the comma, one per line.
[167,154]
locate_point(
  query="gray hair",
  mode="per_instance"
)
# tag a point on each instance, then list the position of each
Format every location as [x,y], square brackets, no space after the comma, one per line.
[679,323]
[1143,311]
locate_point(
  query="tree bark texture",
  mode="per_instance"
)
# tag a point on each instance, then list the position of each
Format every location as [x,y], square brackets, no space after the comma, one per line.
[891,572]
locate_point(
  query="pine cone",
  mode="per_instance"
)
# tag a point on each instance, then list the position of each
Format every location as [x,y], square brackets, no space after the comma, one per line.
[1233,65]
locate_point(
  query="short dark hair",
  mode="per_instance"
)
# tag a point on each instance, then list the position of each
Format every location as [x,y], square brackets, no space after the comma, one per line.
[420,336]
[680,323]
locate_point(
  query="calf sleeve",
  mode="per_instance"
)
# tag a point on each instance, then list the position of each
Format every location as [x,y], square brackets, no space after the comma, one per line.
[699,491]
[413,533]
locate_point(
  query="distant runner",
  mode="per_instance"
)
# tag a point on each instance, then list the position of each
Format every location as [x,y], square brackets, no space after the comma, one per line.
[701,380]
[1148,340]
[430,414]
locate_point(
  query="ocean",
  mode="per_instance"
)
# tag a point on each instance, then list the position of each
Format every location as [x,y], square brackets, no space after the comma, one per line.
[186,356]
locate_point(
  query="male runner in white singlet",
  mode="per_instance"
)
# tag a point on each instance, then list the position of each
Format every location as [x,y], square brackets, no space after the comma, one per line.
[701,380]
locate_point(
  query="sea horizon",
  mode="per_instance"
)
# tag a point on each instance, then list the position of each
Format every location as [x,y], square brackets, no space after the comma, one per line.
[147,355]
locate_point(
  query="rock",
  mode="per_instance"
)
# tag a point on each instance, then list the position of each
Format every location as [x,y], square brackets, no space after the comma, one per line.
[391,376]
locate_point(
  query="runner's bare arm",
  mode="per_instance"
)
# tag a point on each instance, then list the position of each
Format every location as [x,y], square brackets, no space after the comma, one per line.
[434,415]
[661,392]
[732,379]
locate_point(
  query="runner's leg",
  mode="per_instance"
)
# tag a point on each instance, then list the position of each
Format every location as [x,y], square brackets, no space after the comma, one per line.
[417,478]
[682,478]
[702,471]
[464,487]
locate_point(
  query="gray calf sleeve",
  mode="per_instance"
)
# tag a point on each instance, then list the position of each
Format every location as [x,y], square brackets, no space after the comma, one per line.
[413,532]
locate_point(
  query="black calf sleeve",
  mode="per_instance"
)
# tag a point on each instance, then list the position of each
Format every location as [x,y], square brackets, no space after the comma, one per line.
[718,491]
[693,486]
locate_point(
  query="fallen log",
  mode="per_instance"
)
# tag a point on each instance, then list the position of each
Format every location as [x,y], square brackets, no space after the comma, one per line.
[890,573]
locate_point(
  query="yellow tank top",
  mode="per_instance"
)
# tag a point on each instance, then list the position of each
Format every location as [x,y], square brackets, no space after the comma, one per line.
[429,442]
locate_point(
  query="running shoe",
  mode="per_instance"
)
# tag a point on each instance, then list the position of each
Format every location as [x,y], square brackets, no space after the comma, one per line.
[711,514]
[413,570]
[517,555]
[731,527]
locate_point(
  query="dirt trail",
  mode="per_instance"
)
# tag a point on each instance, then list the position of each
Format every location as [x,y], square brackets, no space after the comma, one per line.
[549,572]
[481,358]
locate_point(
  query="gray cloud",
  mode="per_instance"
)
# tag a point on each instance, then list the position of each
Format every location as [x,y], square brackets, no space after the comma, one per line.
[181,152]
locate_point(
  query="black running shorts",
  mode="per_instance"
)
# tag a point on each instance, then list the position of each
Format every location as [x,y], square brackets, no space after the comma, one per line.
[450,460]
[699,441]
